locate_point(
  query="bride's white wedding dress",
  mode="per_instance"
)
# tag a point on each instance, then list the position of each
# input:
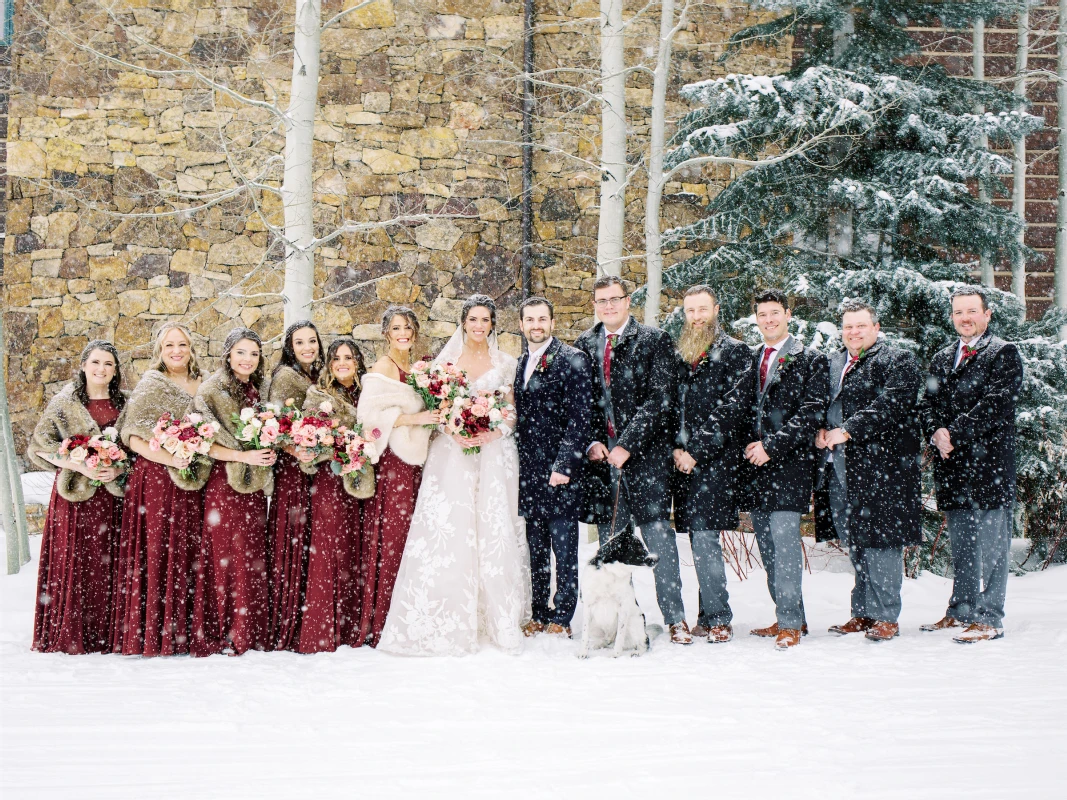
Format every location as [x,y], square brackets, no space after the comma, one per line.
[465,572]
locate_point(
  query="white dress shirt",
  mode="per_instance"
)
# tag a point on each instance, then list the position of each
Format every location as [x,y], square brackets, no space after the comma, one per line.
[535,357]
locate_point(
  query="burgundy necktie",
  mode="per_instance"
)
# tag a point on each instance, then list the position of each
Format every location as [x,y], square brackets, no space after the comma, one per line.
[764,367]
[852,361]
[607,357]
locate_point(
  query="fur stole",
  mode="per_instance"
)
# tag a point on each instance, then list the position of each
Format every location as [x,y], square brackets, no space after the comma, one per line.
[215,402]
[359,485]
[380,403]
[288,384]
[65,416]
[155,395]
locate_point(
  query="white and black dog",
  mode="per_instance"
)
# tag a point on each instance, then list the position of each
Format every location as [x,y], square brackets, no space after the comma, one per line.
[612,616]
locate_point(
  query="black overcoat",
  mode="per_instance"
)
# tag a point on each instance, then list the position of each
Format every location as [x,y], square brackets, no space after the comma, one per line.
[785,418]
[976,403]
[643,378]
[883,458]
[553,431]
[705,500]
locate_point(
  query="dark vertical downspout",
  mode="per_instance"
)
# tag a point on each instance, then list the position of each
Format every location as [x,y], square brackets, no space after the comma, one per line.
[527,147]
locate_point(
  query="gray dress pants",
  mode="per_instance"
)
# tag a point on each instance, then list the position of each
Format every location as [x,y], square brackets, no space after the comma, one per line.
[981,559]
[778,537]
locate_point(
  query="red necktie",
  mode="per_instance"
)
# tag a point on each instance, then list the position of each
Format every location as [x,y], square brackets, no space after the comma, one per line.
[852,361]
[607,357]
[764,367]
[607,372]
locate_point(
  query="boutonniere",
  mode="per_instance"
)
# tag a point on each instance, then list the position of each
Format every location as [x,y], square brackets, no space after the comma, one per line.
[968,352]
[784,361]
[702,358]
[544,362]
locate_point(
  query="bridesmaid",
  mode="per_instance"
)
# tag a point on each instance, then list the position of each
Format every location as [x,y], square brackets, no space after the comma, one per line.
[331,608]
[396,410]
[288,529]
[164,513]
[230,611]
[81,534]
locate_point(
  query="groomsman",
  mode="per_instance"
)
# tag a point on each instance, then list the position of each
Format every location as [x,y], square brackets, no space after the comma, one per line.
[870,488]
[969,415]
[553,401]
[633,396]
[776,409]
[705,477]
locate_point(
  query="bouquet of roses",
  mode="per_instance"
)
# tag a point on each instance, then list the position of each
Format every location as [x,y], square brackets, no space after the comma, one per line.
[100,450]
[439,385]
[258,426]
[351,451]
[316,431]
[479,412]
[187,438]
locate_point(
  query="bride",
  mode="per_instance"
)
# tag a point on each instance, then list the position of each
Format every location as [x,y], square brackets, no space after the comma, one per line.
[465,572]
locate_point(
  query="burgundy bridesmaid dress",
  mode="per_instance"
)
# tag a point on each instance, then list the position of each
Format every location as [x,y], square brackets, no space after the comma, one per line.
[230,609]
[75,574]
[386,520]
[332,602]
[160,544]
[288,533]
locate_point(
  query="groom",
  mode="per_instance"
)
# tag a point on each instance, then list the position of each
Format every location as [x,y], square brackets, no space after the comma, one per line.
[553,401]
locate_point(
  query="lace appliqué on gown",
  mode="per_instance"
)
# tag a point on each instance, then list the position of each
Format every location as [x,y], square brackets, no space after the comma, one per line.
[465,574]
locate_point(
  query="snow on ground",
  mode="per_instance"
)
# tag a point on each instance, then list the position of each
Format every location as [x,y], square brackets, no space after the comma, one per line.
[919,717]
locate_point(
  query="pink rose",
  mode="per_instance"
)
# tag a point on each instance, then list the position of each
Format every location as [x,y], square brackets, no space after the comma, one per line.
[153,445]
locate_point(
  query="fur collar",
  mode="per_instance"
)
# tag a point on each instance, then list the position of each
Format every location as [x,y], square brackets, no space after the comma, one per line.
[358,485]
[380,403]
[155,395]
[215,402]
[65,416]
[288,384]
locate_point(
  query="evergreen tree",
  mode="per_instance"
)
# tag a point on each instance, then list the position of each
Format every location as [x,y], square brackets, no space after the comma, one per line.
[881,204]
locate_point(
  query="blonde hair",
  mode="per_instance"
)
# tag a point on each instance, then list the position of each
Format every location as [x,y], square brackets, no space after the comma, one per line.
[157,349]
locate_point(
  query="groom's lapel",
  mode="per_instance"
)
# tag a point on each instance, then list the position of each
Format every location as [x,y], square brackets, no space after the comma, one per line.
[537,375]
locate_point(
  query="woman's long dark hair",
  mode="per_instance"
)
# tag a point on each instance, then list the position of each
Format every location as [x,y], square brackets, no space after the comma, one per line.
[114,389]
[326,380]
[233,385]
[288,356]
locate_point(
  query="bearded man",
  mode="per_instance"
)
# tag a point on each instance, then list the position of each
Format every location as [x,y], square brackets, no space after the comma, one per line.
[704,481]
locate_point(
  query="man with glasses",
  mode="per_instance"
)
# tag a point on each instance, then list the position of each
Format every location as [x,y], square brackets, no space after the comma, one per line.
[633,398]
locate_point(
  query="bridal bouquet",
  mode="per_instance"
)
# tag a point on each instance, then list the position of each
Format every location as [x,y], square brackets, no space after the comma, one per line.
[478,412]
[186,438]
[316,431]
[258,426]
[100,450]
[439,385]
[351,451]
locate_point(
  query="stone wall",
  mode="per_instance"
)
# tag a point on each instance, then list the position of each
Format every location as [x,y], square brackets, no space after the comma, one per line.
[420,112]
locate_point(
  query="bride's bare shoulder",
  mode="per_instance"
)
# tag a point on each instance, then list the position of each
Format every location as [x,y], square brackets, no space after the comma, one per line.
[385,366]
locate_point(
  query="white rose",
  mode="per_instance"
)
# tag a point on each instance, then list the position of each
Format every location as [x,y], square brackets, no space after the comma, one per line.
[111,433]
[495,415]
[78,454]
[247,414]
[326,407]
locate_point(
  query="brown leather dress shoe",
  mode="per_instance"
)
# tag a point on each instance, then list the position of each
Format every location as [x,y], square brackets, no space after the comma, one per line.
[883,631]
[978,632]
[680,633]
[788,637]
[854,625]
[555,629]
[533,627]
[772,631]
[941,624]
[719,634]
[699,631]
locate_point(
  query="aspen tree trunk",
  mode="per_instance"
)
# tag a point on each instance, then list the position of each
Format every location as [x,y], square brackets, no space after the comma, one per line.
[978,59]
[1061,208]
[299,143]
[657,135]
[1018,267]
[12,504]
[613,140]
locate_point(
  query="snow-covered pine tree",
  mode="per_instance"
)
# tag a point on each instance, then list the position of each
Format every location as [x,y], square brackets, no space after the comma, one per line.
[887,211]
